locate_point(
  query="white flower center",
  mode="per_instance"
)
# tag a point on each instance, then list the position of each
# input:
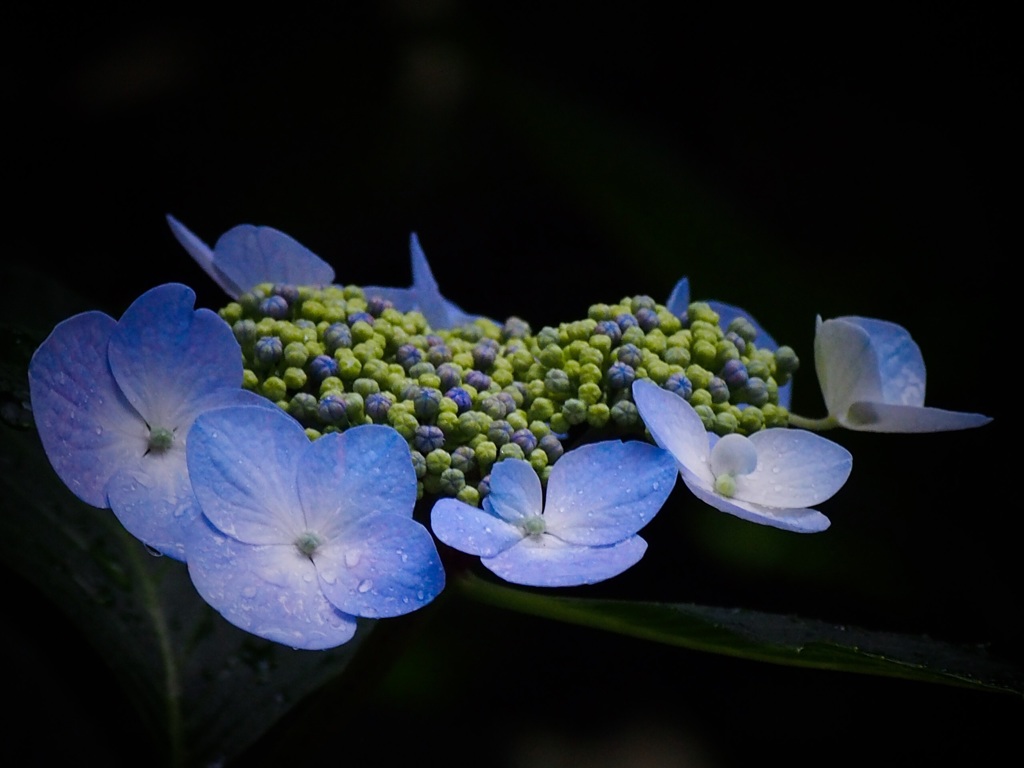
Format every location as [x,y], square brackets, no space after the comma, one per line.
[533,525]
[307,543]
[732,455]
[160,439]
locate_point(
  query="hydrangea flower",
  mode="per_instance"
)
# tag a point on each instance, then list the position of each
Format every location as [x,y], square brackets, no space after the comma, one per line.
[771,477]
[300,538]
[424,295]
[113,402]
[598,496]
[246,256]
[872,378]
[679,301]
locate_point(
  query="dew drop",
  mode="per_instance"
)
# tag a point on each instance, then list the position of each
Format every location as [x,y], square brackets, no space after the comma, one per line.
[365,585]
[99,430]
[153,551]
[249,592]
[329,576]
[352,558]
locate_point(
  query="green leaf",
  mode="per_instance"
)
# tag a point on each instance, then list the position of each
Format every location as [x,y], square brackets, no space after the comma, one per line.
[774,638]
[206,689]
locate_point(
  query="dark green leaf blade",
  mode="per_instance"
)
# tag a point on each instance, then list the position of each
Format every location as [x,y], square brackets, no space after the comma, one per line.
[773,638]
[205,689]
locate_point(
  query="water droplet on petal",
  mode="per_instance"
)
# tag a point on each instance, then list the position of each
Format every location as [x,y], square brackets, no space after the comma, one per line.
[365,585]
[249,592]
[153,551]
[352,558]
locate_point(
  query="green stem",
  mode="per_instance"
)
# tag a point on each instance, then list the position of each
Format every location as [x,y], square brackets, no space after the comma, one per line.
[817,425]
[172,683]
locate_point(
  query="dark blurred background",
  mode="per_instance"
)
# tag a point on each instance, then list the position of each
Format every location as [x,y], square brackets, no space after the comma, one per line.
[551,158]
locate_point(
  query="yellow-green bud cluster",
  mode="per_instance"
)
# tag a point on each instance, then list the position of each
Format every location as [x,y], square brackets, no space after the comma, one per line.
[468,397]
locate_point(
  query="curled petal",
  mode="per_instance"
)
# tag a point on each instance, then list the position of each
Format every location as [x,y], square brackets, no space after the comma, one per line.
[602,493]
[872,378]
[384,565]
[268,590]
[243,461]
[87,427]
[472,530]
[246,256]
[547,561]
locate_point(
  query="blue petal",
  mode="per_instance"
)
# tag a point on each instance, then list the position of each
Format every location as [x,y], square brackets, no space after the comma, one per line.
[472,530]
[243,462]
[270,591]
[601,493]
[86,426]
[425,295]
[246,256]
[679,300]
[515,491]
[383,565]
[796,520]
[349,475]
[166,356]
[547,561]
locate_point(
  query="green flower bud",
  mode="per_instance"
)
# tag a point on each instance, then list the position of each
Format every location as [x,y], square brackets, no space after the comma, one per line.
[590,393]
[510,451]
[538,459]
[590,374]
[698,376]
[557,385]
[677,356]
[250,380]
[485,453]
[274,388]
[232,313]
[635,335]
[312,434]
[599,312]
[574,411]
[448,422]
[541,408]
[452,481]
[469,495]
[438,461]
[655,341]
[294,378]
[701,397]
[403,422]
[558,423]
[624,414]
[700,311]
[551,356]
[751,420]
[331,384]
[704,353]
[725,423]
[598,415]
[707,415]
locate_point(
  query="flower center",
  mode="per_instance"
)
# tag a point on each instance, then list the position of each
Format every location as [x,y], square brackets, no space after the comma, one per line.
[732,455]
[308,542]
[533,525]
[160,439]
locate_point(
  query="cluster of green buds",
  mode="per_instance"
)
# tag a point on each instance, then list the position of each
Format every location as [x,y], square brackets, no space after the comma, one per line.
[465,398]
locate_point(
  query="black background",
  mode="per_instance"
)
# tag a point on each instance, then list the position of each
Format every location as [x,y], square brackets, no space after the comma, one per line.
[550,159]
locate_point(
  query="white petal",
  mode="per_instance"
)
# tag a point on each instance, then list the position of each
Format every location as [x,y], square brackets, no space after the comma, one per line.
[546,561]
[788,519]
[878,417]
[795,468]
[675,426]
[515,491]
[847,366]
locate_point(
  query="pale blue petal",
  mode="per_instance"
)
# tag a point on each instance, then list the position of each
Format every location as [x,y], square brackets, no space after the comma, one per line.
[601,493]
[246,256]
[901,365]
[515,491]
[796,520]
[345,476]
[384,565]
[847,366]
[152,495]
[547,561]
[243,463]
[675,426]
[878,417]
[153,499]
[471,529]
[165,355]
[679,300]
[269,591]
[87,428]
[795,468]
